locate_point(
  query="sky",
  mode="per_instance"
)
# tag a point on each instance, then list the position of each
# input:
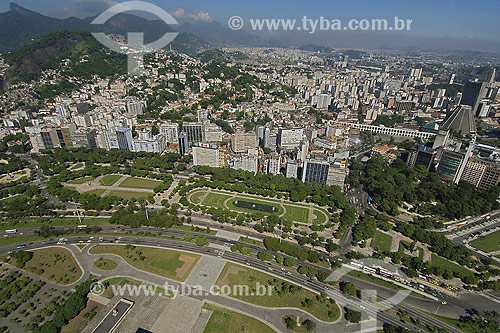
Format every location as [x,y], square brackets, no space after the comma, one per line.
[465,19]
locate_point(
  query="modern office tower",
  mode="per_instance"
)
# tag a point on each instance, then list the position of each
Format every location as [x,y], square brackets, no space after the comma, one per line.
[183,144]
[324,101]
[461,121]
[292,169]
[473,93]
[125,139]
[247,163]
[207,155]
[289,139]
[136,107]
[64,137]
[315,171]
[84,138]
[193,131]
[482,173]
[421,156]
[241,142]
[449,164]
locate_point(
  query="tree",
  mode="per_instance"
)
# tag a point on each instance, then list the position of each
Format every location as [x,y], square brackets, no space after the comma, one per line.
[348,288]
[201,240]
[265,256]
[188,237]
[290,323]
[352,316]
[289,262]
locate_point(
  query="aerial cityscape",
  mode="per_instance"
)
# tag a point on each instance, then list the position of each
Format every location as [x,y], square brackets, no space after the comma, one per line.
[173,166]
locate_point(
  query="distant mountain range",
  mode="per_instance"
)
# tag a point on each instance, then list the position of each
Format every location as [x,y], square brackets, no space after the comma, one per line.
[20,26]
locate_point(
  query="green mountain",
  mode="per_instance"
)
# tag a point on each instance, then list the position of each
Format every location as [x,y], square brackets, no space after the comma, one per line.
[86,56]
[20,26]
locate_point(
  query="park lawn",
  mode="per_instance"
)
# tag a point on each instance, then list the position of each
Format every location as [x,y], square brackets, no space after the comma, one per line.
[226,321]
[82,180]
[196,197]
[30,223]
[194,229]
[233,275]
[128,195]
[446,264]
[296,214]
[251,241]
[55,264]
[488,243]
[320,217]
[215,200]
[6,241]
[105,264]
[98,191]
[145,184]
[382,241]
[109,180]
[170,264]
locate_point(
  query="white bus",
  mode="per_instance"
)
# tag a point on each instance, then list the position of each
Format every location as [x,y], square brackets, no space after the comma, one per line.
[11,231]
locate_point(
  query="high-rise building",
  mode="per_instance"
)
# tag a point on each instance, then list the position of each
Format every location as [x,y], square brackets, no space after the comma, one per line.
[421,156]
[324,101]
[289,139]
[84,138]
[207,155]
[150,143]
[292,168]
[213,133]
[274,165]
[136,107]
[473,93]
[183,144]
[315,171]
[449,164]
[241,142]
[125,139]
[170,131]
[194,132]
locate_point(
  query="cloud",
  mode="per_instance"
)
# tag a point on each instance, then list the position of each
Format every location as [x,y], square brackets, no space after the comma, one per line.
[198,16]
[85,8]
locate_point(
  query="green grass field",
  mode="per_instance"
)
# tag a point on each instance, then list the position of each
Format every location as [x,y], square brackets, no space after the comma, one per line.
[170,264]
[82,180]
[77,166]
[105,264]
[128,194]
[109,180]
[296,214]
[382,241]
[146,184]
[488,243]
[446,264]
[56,264]
[98,191]
[226,321]
[215,200]
[233,275]
[196,197]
